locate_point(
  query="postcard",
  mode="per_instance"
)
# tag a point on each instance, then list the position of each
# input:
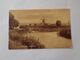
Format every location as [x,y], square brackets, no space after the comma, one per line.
[39,29]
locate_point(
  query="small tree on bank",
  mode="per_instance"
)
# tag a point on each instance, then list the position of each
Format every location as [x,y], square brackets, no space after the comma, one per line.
[58,23]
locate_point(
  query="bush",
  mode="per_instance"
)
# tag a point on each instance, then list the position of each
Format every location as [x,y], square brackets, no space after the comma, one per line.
[65,33]
[32,43]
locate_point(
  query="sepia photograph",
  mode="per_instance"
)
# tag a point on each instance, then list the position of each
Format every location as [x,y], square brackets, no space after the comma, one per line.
[39,29]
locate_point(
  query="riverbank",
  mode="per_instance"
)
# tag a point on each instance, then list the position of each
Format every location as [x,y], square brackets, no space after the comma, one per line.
[43,39]
[52,39]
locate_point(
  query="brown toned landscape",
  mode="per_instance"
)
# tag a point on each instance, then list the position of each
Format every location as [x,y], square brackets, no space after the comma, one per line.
[39,29]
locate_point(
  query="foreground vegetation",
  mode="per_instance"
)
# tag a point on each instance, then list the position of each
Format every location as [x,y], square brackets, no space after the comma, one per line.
[19,41]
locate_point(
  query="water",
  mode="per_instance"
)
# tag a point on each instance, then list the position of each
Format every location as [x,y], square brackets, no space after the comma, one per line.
[51,39]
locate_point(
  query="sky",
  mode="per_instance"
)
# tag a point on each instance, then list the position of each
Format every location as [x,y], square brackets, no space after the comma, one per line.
[36,15]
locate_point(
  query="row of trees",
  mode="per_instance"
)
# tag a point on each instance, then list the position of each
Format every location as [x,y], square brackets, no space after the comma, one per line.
[14,23]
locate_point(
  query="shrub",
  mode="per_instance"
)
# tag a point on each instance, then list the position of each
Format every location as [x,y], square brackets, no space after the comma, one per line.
[65,33]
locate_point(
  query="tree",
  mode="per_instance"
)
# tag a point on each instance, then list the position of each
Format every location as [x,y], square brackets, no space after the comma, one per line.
[58,23]
[12,22]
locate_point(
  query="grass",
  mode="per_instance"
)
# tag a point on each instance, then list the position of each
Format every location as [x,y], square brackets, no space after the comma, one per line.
[17,40]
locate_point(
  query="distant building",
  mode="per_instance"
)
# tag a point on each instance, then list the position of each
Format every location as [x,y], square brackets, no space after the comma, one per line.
[43,26]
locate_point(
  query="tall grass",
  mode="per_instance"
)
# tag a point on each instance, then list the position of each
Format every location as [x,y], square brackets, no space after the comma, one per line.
[19,41]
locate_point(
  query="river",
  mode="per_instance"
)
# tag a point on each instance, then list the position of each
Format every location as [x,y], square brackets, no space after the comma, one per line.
[52,40]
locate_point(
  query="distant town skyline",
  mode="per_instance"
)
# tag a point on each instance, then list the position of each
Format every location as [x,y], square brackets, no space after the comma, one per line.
[36,16]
